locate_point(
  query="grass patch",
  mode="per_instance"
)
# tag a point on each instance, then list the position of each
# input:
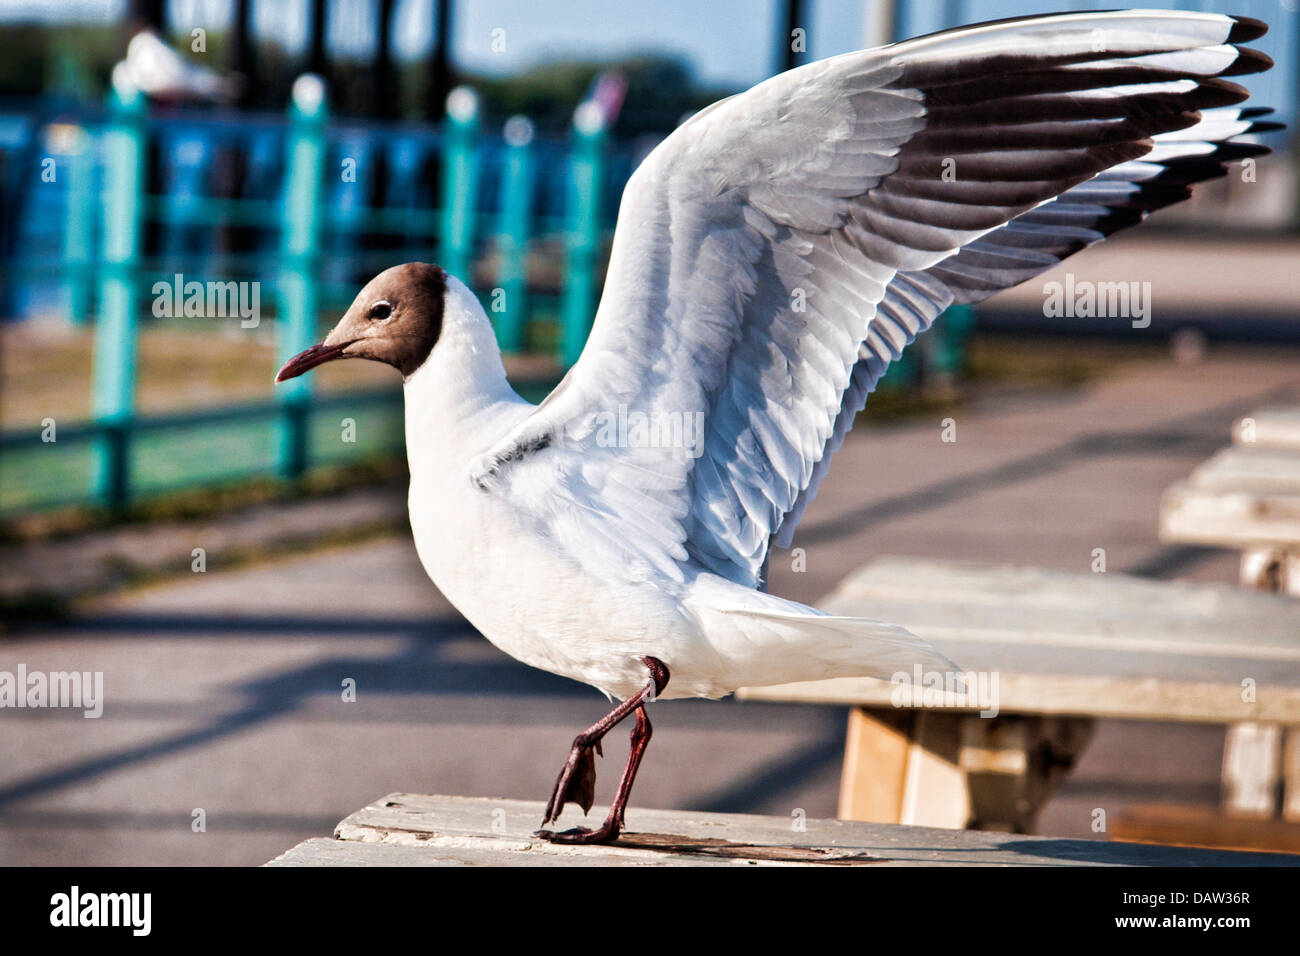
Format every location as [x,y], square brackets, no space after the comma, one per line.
[202,503]
[1048,362]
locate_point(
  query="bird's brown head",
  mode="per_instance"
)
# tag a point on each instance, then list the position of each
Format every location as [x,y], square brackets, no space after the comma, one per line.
[395,319]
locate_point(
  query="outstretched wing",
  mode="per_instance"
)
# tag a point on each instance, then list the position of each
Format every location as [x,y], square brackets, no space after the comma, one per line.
[1033,243]
[778,250]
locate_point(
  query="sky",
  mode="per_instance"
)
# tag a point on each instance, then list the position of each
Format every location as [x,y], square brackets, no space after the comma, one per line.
[729,44]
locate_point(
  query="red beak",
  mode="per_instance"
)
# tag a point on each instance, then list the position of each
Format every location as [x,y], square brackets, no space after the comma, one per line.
[305,361]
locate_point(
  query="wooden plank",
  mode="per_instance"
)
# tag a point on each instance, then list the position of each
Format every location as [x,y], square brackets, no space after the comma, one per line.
[876,748]
[1267,569]
[1148,698]
[1162,607]
[1252,767]
[1291,776]
[934,791]
[1276,427]
[1175,825]
[1225,519]
[1246,497]
[1077,643]
[327,852]
[459,831]
[954,769]
[1250,469]
[1013,764]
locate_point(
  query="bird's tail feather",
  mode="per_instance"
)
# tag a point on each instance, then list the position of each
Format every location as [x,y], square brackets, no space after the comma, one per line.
[827,645]
[764,639]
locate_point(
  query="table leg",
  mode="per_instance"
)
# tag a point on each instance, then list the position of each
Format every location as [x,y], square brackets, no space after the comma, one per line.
[1291,776]
[1270,569]
[1252,765]
[955,769]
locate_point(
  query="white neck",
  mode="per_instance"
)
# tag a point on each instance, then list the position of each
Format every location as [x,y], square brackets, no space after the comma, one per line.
[458,403]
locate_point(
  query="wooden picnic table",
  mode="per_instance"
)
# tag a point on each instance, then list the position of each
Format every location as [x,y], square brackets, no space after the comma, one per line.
[406,829]
[1246,497]
[1065,649]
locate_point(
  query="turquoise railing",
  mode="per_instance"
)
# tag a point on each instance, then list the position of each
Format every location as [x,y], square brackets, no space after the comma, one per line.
[120,455]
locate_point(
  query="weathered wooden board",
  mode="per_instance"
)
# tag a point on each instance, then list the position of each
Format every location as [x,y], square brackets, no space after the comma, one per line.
[1250,468]
[1174,823]
[1246,496]
[406,829]
[1277,427]
[335,852]
[1229,519]
[1077,643]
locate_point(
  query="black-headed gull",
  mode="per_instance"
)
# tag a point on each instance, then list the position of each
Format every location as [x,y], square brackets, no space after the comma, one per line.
[772,257]
[157,70]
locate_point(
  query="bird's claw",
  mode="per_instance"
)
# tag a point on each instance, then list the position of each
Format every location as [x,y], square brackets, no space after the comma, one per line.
[580,836]
[576,784]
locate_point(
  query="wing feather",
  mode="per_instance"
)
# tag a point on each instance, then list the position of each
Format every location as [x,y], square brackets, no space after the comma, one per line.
[777,252]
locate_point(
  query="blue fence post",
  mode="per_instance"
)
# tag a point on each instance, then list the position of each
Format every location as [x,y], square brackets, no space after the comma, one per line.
[459,183]
[583,238]
[113,377]
[79,225]
[300,248]
[516,201]
[952,330]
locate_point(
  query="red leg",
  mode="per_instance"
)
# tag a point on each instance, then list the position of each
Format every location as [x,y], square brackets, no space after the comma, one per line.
[641,734]
[577,780]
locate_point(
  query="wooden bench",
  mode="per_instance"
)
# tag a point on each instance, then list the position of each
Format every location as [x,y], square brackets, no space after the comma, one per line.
[1066,649]
[406,829]
[1246,497]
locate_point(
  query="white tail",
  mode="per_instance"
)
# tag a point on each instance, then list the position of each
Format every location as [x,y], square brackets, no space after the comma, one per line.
[765,639]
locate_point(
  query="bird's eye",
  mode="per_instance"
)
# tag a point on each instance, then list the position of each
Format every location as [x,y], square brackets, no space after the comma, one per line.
[380,310]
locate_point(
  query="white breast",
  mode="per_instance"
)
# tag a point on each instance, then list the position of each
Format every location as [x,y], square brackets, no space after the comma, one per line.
[517,589]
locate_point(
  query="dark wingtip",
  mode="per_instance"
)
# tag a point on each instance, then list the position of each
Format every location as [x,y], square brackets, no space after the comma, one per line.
[1245,29]
[1265,127]
[1225,92]
[1230,151]
[1190,171]
[1248,61]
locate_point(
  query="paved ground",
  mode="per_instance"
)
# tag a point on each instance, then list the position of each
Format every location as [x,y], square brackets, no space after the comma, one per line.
[1190,279]
[224,689]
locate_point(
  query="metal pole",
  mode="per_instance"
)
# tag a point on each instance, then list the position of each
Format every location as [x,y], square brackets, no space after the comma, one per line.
[113,377]
[787,57]
[317,65]
[384,93]
[151,13]
[588,174]
[299,292]
[951,332]
[517,189]
[243,54]
[459,183]
[79,225]
[880,24]
[440,72]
